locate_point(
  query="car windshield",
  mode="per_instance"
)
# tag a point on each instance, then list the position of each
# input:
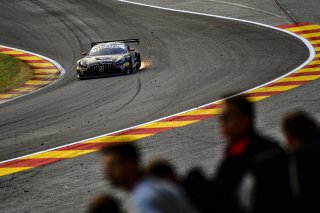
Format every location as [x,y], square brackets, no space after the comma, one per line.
[107,51]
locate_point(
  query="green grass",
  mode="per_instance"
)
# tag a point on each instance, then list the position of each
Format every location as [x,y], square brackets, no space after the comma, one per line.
[13,72]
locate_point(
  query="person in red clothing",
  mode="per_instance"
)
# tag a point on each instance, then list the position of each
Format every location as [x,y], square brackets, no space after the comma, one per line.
[254,174]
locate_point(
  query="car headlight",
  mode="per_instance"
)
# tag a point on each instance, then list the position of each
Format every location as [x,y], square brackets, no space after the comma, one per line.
[121,61]
[83,64]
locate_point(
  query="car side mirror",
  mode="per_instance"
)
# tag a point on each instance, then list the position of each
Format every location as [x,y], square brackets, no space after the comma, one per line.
[84,53]
[131,49]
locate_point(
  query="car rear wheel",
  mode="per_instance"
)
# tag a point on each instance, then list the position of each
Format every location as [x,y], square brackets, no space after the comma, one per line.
[139,62]
[138,66]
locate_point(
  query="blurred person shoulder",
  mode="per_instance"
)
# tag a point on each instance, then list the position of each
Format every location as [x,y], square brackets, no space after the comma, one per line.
[153,193]
[264,148]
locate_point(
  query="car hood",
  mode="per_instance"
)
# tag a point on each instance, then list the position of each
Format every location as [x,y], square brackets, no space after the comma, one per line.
[102,58]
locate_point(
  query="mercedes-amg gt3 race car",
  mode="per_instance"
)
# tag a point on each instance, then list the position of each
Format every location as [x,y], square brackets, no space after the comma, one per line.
[109,58]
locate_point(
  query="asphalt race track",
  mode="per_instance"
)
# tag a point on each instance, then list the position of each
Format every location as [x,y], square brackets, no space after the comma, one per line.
[191,60]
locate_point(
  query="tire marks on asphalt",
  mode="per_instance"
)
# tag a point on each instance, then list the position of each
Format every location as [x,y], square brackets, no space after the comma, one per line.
[306,74]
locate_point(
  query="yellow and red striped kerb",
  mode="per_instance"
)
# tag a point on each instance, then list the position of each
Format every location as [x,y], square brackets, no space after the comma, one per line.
[310,72]
[306,74]
[44,73]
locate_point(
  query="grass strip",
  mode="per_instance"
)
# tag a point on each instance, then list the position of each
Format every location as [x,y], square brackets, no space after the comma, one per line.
[13,72]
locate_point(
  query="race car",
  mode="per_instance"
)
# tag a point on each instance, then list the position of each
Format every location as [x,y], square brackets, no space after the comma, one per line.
[109,58]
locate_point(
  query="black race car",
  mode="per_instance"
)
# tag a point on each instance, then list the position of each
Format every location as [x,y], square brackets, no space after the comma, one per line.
[109,58]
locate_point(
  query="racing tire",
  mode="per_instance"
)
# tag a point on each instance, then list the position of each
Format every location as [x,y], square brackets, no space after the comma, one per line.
[131,69]
[139,62]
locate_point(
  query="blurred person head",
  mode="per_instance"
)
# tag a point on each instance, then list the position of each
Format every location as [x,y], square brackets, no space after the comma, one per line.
[162,169]
[101,203]
[237,117]
[120,163]
[299,129]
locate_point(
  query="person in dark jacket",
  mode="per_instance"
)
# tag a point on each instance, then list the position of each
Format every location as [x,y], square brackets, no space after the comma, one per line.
[254,174]
[303,139]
